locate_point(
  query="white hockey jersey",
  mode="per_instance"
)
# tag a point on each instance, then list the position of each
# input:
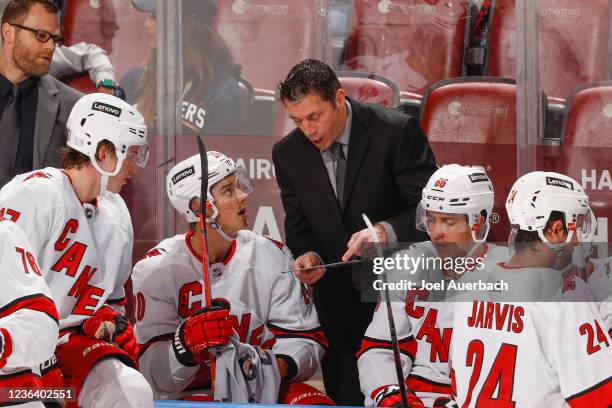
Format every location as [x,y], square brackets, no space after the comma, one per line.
[423,321]
[84,252]
[531,354]
[27,312]
[268,308]
[599,281]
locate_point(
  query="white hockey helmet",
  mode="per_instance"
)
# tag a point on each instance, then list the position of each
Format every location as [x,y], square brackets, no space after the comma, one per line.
[97,117]
[183,182]
[456,189]
[536,195]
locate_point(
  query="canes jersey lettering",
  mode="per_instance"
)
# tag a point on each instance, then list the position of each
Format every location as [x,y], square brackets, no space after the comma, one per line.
[531,354]
[84,251]
[424,328]
[267,306]
[27,313]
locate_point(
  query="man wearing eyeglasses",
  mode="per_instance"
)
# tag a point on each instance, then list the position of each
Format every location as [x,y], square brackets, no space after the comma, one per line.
[34,105]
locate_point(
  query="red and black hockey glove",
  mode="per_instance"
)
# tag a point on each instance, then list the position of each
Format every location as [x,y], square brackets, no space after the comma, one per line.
[109,325]
[207,327]
[445,402]
[390,396]
[6,346]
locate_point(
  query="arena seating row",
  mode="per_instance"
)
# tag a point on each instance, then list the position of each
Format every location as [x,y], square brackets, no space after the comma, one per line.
[413,43]
[473,120]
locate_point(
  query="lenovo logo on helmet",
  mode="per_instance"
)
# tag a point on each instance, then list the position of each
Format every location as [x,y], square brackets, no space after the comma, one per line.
[478,177]
[102,107]
[435,198]
[557,182]
[185,173]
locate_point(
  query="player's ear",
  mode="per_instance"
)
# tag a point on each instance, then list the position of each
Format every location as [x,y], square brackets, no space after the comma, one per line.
[194,206]
[106,157]
[556,232]
[209,209]
[482,219]
[340,96]
[8,33]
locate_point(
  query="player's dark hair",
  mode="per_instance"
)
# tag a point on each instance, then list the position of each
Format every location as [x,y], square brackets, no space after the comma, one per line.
[483,213]
[527,239]
[17,10]
[308,76]
[71,158]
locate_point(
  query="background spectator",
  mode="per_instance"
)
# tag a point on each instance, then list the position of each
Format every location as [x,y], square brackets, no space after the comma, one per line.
[211,100]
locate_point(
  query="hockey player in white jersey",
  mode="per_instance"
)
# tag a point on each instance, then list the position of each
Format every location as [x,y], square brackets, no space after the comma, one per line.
[535,353]
[454,211]
[81,232]
[598,276]
[28,317]
[267,308]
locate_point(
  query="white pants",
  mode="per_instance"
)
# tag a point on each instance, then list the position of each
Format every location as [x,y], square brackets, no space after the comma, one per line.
[112,384]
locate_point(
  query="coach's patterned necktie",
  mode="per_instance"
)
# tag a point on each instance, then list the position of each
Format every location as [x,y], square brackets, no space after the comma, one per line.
[9,138]
[338,155]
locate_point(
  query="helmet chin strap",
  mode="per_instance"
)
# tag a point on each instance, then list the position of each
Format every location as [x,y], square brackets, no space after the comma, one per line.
[477,244]
[477,241]
[219,229]
[557,247]
[214,225]
[103,184]
[105,174]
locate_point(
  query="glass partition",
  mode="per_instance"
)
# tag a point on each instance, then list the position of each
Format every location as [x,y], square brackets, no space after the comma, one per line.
[573,72]
[512,86]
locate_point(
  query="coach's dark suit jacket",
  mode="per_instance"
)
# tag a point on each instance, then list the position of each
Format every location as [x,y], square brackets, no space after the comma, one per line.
[55,101]
[389,162]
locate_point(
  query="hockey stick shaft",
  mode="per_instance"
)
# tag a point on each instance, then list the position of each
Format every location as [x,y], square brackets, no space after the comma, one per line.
[394,341]
[203,237]
[327,266]
[204,243]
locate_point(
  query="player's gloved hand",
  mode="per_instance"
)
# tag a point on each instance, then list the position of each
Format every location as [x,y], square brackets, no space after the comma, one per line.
[207,327]
[444,402]
[109,325]
[6,346]
[390,396]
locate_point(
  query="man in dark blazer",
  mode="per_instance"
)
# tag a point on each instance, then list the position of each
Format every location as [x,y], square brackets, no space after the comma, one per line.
[30,33]
[387,162]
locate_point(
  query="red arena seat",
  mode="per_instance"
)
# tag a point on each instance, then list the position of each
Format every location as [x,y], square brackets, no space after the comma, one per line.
[573,43]
[369,88]
[588,118]
[471,110]
[587,147]
[268,37]
[414,43]
[472,121]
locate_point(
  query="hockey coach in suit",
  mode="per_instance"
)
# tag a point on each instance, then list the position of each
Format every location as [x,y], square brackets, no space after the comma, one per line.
[345,158]
[34,106]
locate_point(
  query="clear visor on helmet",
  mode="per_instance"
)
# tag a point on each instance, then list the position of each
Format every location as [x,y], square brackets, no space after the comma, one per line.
[433,222]
[585,226]
[584,229]
[232,187]
[138,154]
